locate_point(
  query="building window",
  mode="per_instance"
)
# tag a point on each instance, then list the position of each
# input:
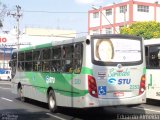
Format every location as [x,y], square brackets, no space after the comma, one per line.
[108,12]
[142,8]
[95,32]
[96,15]
[108,31]
[123,9]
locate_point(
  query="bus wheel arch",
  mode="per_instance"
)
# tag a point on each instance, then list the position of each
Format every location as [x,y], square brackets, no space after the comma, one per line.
[51,100]
[20,92]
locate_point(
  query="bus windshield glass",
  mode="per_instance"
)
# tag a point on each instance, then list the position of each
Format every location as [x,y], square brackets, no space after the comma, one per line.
[117,50]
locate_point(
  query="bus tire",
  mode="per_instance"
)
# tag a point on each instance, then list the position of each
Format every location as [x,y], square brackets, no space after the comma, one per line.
[52,102]
[20,94]
[135,105]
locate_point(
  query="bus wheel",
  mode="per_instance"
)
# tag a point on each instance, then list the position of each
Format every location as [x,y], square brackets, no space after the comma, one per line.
[20,94]
[52,102]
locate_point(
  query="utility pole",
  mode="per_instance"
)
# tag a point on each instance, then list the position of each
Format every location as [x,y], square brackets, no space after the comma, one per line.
[17,16]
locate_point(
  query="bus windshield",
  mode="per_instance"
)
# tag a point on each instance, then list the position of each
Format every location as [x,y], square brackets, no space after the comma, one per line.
[117,50]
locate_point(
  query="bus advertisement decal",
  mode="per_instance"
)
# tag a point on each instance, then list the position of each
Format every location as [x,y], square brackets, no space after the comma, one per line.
[113,73]
[50,79]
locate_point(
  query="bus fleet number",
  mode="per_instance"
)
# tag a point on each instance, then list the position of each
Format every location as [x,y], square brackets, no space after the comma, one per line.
[133,87]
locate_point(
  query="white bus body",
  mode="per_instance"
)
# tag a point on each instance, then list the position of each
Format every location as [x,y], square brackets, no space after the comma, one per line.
[108,70]
[152,51]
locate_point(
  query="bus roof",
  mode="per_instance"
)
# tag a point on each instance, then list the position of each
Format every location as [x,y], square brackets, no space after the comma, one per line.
[53,43]
[152,41]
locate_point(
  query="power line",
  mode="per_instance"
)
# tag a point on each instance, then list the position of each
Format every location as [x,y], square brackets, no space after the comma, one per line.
[61,35]
[51,12]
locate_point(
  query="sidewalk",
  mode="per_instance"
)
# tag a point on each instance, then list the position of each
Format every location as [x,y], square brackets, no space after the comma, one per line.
[3,82]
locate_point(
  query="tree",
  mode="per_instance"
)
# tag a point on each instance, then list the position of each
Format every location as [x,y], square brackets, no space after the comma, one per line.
[147,30]
[3,10]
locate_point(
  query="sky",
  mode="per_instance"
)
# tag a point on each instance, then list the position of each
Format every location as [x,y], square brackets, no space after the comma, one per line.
[55,14]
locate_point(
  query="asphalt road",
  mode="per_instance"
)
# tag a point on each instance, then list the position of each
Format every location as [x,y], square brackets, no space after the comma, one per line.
[11,108]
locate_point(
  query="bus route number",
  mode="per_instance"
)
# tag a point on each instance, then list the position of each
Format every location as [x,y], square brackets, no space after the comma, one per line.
[77,81]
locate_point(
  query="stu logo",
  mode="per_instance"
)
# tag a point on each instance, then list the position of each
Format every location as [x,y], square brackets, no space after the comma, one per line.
[112,81]
[124,81]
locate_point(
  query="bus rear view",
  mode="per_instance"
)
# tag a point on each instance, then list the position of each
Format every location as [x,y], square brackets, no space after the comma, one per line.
[118,70]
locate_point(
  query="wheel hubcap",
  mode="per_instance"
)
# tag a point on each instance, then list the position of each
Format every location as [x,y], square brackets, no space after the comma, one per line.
[52,102]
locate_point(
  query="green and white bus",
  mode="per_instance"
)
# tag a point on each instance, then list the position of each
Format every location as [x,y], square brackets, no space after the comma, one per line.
[93,71]
[152,51]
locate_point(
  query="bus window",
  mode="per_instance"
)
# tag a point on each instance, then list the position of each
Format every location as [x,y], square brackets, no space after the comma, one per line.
[29,56]
[36,55]
[68,51]
[56,66]
[147,57]
[28,66]
[21,56]
[28,62]
[67,62]
[56,59]
[21,61]
[14,64]
[56,53]
[154,61]
[78,58]
[46,54]
[46,66]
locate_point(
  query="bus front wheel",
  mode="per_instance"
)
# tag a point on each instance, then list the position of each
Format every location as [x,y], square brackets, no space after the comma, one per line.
[20,94]
[52,102]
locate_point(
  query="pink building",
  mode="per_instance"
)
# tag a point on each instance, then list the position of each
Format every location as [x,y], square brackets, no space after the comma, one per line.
[110,18]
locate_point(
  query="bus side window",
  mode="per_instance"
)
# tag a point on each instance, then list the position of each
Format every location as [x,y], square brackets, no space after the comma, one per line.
[56,66]
[21,61]
[78,58]
[14,64]
[56,53]
[146,56]
[46,54]
[36,55]
[56,60]
[154,62]
[46,60]
[28,63]
[67,62]
[46,66]
[36,60]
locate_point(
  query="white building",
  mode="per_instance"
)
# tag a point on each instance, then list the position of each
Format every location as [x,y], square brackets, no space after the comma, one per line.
[30,37]
[110,18]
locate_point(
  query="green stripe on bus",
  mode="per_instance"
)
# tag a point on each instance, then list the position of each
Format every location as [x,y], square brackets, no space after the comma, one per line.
[62,85]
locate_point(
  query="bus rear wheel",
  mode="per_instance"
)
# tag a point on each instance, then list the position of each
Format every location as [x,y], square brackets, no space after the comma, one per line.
[20,94]
[52,102]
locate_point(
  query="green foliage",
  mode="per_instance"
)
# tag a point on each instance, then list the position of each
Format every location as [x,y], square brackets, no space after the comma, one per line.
[147,30]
